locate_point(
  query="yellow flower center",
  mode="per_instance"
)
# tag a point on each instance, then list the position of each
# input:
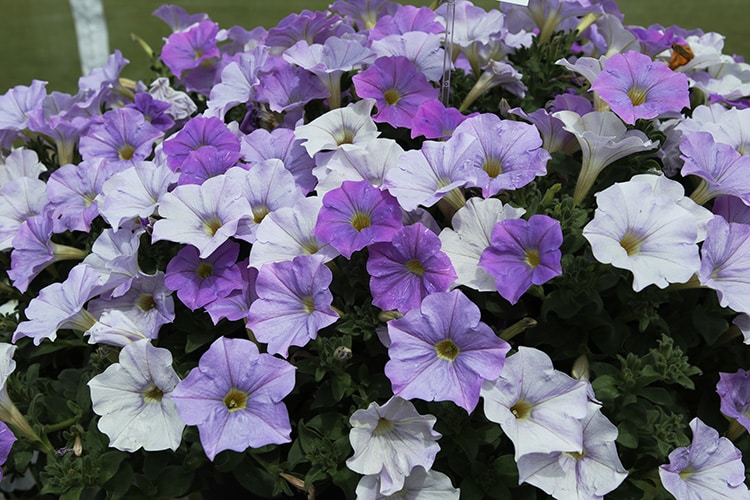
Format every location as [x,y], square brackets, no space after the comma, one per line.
[637,95]
[145,302]
[360,220]
[205,269]
[575,455]
[415,267]
[384,427]
[392,96]
[259,213]
[211,226]
[126,152]
[235,400]
[532,258]
[344,136]
[493,167]
[446,349]
[521,410]
[631,243]
[308,305]
[152,394]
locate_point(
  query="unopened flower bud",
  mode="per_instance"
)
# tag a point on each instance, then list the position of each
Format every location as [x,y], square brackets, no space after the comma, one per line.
[342,353]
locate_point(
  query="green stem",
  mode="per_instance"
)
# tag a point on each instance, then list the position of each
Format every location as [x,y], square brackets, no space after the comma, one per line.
[59,426]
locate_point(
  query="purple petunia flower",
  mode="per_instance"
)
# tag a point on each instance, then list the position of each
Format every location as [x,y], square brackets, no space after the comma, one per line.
[6,443]
[507,154]
[17,103]
[434,121]
[523,253]
[734,390]
[201,281]
[197,133]
[186,50]
[123,135]
[636,87]
[443,352]
[293,303]
[154,111]
[408,268]
[711,467]
[722,170]
[398,88]
[356,215]
[280,143]
[234,396]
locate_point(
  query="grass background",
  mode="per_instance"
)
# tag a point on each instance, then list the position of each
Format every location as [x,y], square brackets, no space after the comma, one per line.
[39,38]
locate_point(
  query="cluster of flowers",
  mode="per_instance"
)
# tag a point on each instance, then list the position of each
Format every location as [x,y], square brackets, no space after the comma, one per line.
[324,138]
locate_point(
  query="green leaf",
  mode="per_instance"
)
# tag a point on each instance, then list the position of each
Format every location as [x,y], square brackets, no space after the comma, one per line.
[120,483]
[174,481]
[109,464]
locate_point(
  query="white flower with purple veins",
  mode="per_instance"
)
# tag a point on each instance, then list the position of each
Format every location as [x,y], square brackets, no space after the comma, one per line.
[391,441]
[204,216]
[540,409]
[20,162]
[471,235]
[710,468]
[420,485]
[588,475]
[604,139]
[349,125]
[133,398]
[288,232]
[647,227]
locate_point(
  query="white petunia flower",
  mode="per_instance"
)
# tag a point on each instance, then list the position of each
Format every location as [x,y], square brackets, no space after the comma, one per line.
[134,400]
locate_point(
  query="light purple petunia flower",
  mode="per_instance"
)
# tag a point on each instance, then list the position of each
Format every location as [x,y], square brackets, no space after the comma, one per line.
[61,305]
[356,215]
[350,125]
[637,87]
[18,102]
[20,199]
[281,143]
[734,391]
[72,191]
[725,263]
[330,60]
[185,50]
[238,82]
[407,18]
[398,88]
[200,281]
[206,162]
[123,135]
[408,268]
[234,396]
[591,474]
[422,49]
[523,253]
[425,176]
[198,132]
[539,408]
[443,352]
[364,13]
[722,170]
[286,87]
[177,17]
[114,256]
[507,154]
[33,250]
[391,441]
[293,303]
[313,27]
[21,162]
[732,209]
[711,467]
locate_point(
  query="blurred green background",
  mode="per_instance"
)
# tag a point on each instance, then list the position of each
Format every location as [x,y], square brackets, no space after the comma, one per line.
[39,38]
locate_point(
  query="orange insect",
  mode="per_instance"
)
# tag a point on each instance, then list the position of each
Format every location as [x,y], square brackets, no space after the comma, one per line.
[681,55]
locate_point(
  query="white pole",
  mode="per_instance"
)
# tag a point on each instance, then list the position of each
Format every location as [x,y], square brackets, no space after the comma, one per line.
[450,20]
[91,32]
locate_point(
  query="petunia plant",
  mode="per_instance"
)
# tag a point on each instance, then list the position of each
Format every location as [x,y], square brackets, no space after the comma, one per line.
[382,251]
